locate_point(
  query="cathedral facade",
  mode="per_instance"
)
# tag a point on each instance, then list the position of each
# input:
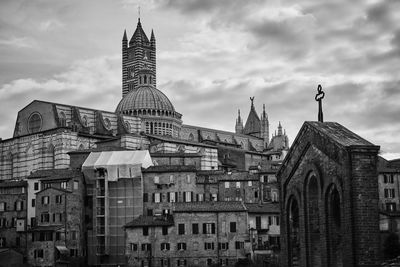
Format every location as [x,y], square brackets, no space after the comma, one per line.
[44,132]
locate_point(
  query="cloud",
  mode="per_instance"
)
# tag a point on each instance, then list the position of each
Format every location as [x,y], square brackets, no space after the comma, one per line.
[93,83]
[19,42]
[50,25]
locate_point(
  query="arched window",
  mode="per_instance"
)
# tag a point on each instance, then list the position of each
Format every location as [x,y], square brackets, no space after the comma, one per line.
[191,137]
[334,227]
[85,121]
[140,79]
[81,147]
[150,79]
[293,233]
[313,221]
[35,122]
[145,79]
[127,126]
[107,123]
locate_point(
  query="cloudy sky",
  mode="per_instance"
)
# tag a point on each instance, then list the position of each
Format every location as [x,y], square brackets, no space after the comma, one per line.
[212,56]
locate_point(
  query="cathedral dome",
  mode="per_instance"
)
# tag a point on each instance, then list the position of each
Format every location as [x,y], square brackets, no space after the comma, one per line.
[145,98]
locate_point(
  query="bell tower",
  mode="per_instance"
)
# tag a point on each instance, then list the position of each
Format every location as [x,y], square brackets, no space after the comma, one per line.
[140,53]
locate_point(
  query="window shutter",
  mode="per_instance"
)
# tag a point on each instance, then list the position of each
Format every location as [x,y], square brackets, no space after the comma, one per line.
[168,246]
[176,197]
[191,197]
[154,197]
[15,205]
[184,196]
[204,228]
[168,196]
[213,228]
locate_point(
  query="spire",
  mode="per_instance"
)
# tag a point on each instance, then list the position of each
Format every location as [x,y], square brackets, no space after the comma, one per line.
[279,129]
[239,124]
[139,36]
[152,36]
[253,123]
[124,38]
[264,114]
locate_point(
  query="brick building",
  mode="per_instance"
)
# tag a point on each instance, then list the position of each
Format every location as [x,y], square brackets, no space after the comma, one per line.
[198,234]
[13,209]
[57,234]
[329,199]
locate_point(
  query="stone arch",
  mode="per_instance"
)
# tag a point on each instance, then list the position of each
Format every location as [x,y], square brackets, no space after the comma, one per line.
[334,218]
[293,230]
[312,204]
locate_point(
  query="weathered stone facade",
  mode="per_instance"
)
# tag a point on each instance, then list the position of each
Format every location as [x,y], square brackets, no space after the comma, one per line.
[329,199]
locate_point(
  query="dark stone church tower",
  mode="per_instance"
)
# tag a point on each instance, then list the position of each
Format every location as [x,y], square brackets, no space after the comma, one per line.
[139,54]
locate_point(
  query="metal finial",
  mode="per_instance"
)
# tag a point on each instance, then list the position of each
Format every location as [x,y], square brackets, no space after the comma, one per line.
[318,97]
[252,100]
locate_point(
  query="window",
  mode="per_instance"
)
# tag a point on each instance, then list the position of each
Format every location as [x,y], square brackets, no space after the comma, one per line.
[58,199]
[36,186]
[208,246]
[33,202]
[157,197]
[389,193]
[171,197]
[181,229]
[195,228]
[63,185]
[258,222]
[181,246]
[171,179]
[249,183]
[76,185]
[209,262]
[223,246]
[165,230]
[3,222]
[146,247]
[226,184]
[145,231]
[188,179]
[145,197]
[19,205]
[237,184]
[3,206]
[256,194]
[208,228]
[38,254]
[45,217]
[133,246]
[277,220]
[74,235]
[200,197]
[165,246]
[156,180]
[45,200]
[188,196]
[390,206]
[46,185]
[214,197]
[35,123]
[239,244]
[232,227]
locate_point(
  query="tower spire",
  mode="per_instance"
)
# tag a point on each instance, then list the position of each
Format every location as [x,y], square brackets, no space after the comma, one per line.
[124,38]
[239,124]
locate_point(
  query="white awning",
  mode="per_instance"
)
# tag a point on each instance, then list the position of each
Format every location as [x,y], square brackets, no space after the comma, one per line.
[119,164]
[62,249]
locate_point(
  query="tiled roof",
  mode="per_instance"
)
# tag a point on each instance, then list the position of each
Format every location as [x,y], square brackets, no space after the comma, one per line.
[171,168]
[385,166]
[149,221]
[178,141]
[13,183]
[55,188]
[209,206]
[175,155]
[339,133]
[55,174]
[263,208]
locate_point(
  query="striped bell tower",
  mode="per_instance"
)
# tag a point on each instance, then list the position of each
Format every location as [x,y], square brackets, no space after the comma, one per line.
[139,54]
